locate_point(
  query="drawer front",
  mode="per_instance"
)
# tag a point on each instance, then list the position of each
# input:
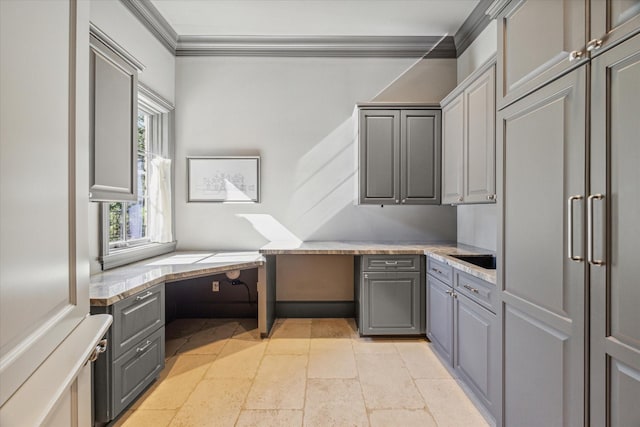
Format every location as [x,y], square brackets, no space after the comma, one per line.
[136,369]
[391,263]
[484,293]
[440,270]
[136,317]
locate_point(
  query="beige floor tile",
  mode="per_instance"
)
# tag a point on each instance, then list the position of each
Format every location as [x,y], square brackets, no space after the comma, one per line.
[290,337]
[247,330]
[171,346]
[145,418]
[374,345]
[332,328]
[334,402]
[238,359]
[270,418]
[331,358]
[176,382]
[213,403]
[210,340]
[292,346]
[279,383]
[420,360]
[449,405]
[402,417]
[386,383]
[180,328]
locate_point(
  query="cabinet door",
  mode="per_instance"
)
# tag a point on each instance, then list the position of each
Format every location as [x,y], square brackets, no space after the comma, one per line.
[535,40]
[475,340]
[379,156]
[440,317]
[541,155]
[615,289]
[479,139]
[612,21]
[420,157]
[452,148]
[113,131]
[391,304]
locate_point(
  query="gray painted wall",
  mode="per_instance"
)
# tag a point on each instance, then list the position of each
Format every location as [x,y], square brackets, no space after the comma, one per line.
[297,114]
[477,224]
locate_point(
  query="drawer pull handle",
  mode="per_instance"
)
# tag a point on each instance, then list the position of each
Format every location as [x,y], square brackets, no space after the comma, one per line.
[391,262]
[436,270]
[449,292]
[472,289]
[101,347]
[145,296]
[144,347]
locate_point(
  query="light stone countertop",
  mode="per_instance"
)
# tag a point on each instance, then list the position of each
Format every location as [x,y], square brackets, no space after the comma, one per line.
[113,285]
[437,250]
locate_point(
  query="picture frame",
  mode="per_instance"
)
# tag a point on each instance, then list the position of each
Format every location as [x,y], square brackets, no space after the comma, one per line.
[223,179]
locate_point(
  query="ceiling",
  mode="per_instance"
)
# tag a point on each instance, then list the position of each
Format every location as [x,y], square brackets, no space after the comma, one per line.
[315,17]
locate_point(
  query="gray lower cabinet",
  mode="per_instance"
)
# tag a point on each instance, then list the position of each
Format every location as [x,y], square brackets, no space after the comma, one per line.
[615,208]
[135,352]
[463,328]
[399,153]
[390,301]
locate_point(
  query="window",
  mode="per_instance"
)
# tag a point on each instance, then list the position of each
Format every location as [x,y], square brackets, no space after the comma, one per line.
[132,231]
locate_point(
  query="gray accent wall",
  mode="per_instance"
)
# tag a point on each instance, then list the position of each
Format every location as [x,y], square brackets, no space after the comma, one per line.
[297,114]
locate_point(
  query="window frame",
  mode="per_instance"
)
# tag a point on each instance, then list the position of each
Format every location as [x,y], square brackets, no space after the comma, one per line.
[159,124]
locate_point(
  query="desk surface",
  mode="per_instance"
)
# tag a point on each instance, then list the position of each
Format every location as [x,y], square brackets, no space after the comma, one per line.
[113,285]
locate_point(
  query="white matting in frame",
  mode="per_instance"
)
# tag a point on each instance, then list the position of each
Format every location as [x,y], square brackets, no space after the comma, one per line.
[224,179]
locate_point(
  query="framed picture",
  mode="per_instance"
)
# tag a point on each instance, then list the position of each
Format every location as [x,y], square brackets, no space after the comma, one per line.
[223,179]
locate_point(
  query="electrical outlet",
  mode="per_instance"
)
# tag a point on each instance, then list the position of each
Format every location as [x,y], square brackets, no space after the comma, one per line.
[215,286]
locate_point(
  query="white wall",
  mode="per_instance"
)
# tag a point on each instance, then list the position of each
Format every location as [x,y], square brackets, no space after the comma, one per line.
[477,224]
[297,114]
[116,20]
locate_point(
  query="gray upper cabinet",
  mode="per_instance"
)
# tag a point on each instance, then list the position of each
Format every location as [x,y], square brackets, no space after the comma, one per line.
[537,42]
[399,156]
[612,21]
[615,210]
[113,122]
[468,139]
[541,154]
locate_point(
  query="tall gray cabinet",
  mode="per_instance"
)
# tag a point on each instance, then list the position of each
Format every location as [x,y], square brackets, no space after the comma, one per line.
[567,150]
[399,151]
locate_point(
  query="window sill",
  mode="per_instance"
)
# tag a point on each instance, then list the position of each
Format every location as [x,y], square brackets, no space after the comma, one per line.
[127,256]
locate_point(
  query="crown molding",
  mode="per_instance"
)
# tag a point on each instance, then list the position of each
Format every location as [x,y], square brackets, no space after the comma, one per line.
[151,18]
[317,46]
[496,7]
[475,23]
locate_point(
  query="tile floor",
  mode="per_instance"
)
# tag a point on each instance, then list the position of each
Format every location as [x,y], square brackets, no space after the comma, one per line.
[310,372]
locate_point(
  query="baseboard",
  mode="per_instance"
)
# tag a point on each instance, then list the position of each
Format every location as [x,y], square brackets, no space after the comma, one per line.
[318,309]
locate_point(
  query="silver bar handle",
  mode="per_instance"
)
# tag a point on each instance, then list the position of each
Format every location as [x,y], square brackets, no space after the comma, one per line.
[145,296]
[590,200]
[391,262]
[144,347]
[570,254]
[472,289]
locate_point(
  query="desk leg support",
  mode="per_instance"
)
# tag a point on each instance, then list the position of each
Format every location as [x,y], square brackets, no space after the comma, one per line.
[267,295]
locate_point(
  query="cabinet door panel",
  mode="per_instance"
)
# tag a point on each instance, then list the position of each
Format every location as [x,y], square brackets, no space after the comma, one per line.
[440,317]
[475,358]
[535,39]
[379,156]
[480,154]
[392,303]
[615,290]
[452,148]
[420,151]
[612,21]
[541,150]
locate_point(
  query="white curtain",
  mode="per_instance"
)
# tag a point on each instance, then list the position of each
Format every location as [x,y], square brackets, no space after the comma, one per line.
[159,187]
